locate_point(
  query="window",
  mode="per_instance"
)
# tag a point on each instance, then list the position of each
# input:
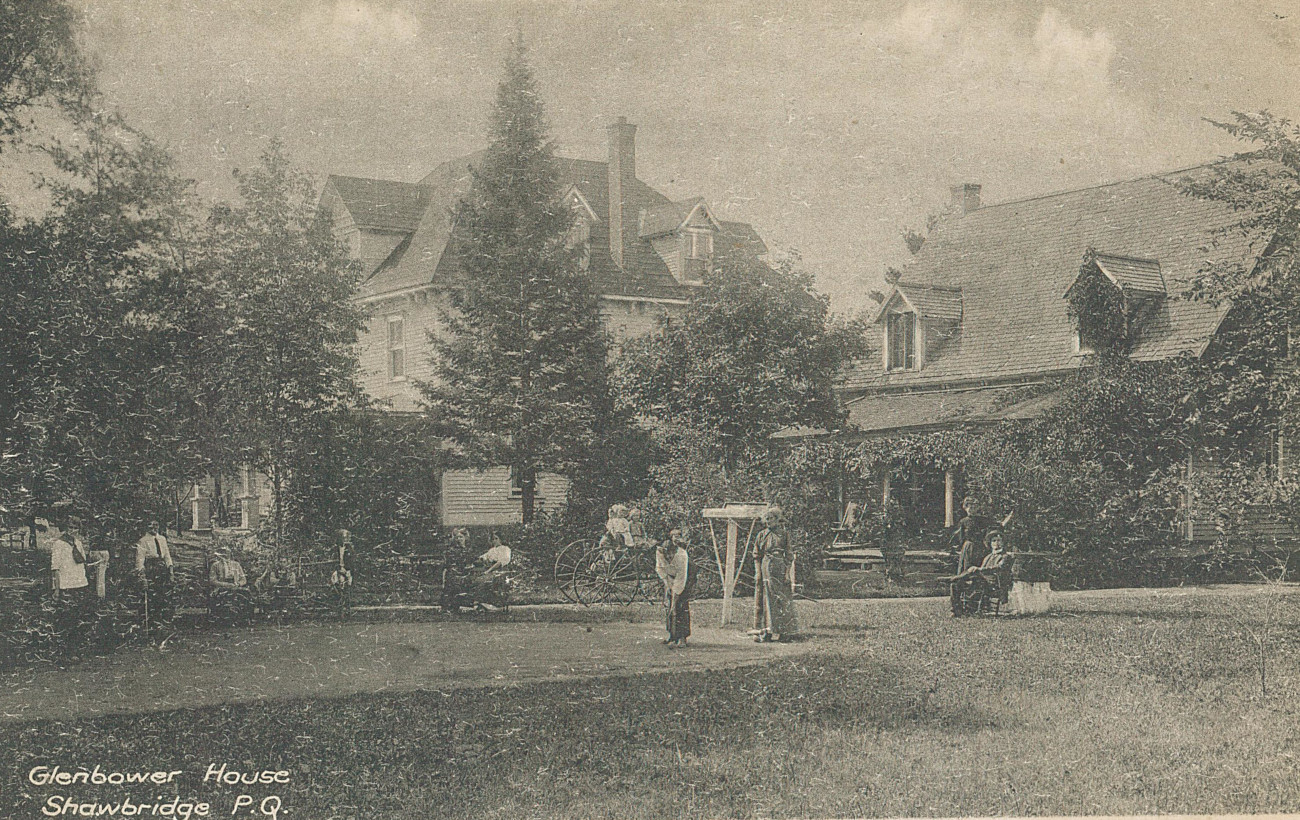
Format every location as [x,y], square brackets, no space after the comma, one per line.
[396,347]
[900,341]
[1080,346]
[701,245]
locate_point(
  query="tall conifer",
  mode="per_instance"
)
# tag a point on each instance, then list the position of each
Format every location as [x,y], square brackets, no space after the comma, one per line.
[521,366]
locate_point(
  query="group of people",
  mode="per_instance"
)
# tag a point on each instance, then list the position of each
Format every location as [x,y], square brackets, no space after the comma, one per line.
[775,618]
[983,564]
[80,574]
[479,581]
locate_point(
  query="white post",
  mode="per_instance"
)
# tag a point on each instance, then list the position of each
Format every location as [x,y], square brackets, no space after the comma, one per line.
[949,501]
[194,506]
[729,580]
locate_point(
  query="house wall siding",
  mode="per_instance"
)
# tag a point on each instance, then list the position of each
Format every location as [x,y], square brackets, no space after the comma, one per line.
[1261,523]
[629,320]
[485,498]
[420,313]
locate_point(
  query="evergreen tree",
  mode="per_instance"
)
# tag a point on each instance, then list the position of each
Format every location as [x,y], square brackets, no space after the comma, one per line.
[521,368]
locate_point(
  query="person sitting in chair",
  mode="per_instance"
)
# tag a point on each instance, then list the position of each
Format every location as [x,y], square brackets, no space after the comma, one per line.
[991,577]
[229,595]
[489,583]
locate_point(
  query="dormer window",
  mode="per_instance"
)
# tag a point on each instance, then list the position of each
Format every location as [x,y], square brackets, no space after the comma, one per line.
[919,322]
[699,244]
[1111,301]
[584,217]
[900,341]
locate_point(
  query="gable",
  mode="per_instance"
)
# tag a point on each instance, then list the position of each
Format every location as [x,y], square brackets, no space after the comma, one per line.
[425,253]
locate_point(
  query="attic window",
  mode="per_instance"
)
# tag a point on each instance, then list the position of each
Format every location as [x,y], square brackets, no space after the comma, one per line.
[1111,300]
[900,341]
[700,244]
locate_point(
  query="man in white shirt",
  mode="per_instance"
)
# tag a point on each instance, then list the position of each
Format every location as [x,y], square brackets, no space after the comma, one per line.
[153,547]
[156,572]
[673,566]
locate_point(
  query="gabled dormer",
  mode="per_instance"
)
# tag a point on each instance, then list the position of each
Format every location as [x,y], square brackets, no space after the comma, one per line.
[584,218]
[1112,300]
[684,234]
[916,323]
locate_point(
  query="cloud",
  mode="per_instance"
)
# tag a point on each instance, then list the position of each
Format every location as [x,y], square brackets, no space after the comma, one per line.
[1067,52]
[354,27]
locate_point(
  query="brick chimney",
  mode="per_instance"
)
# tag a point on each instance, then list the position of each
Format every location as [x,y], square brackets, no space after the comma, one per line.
[965,197]
[622,176]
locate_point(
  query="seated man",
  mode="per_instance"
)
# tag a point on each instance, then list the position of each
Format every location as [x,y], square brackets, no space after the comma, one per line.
[229,595]
[991,577]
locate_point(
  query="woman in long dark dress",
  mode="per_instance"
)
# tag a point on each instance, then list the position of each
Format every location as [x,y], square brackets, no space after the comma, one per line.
[775,618]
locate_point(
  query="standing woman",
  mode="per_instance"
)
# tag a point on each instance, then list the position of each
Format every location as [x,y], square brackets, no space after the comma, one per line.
[673,566]
[774,615]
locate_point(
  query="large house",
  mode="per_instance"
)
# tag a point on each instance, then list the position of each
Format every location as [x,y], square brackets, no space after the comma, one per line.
[982,313]
[645,253]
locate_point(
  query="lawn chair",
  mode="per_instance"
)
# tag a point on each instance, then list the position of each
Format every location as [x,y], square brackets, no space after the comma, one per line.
[844,549]
[984,593]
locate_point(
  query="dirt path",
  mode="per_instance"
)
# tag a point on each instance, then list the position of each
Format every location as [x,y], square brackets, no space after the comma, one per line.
[342,659]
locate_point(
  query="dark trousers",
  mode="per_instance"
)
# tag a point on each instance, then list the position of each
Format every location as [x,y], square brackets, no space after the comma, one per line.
[679,617]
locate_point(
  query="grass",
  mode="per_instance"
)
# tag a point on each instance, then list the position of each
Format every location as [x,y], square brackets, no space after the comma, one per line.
[1121,705]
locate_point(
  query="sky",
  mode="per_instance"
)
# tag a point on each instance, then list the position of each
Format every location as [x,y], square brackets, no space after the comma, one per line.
[830,126]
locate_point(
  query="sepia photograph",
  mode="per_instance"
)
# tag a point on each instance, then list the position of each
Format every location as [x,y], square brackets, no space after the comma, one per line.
[604,409]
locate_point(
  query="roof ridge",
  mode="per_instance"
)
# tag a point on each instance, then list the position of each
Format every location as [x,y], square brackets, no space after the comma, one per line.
[926,286]
[377,179]
[1160,175]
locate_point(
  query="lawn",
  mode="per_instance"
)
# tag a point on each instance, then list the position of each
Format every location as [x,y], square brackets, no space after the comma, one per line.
[1120,704]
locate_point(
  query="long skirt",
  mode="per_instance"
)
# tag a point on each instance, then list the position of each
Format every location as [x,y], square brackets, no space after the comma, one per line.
[679,617]
[972,554]
[773,599]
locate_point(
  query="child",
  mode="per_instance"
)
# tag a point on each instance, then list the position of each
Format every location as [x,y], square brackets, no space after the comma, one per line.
[617,528]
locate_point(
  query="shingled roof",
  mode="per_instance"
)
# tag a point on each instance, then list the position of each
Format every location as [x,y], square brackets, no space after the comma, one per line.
[424,211]
[380,203]
[1013,262]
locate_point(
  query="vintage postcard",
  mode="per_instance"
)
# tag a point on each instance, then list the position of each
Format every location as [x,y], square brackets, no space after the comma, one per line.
[590,408]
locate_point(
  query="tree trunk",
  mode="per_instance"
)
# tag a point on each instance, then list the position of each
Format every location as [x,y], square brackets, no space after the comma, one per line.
[528,485]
